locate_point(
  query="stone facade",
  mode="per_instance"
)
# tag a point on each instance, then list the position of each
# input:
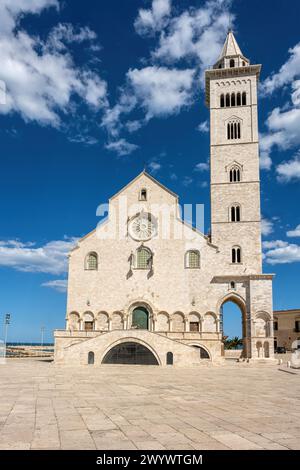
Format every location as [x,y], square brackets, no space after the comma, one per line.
[286,328]
[145,277]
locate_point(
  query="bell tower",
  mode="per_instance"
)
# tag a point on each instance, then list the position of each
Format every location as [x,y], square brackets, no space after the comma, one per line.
[231,95]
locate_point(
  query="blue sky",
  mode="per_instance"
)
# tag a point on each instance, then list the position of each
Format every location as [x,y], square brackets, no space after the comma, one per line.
[92,92]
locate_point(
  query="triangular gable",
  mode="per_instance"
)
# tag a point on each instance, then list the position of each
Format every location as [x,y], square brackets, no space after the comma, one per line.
[151,178]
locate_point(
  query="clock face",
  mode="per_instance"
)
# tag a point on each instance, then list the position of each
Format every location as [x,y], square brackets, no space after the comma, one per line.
[143,227]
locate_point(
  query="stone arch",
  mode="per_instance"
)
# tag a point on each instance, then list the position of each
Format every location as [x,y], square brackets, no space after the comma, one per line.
[140,303]
[261,324]
[232,297]
[210,323]
[117,321]
[193,319]
[241,303]
[178,322]
[162,322]
[74,321]
[131,340]
[103,321]
[88,321]
[204,351]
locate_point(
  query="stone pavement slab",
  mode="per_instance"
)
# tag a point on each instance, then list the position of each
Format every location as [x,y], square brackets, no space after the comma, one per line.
[148,408]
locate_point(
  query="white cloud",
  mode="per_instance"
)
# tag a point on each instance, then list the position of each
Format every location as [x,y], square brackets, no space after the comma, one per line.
[196,33]
[133,126]
[265,160]
[274,244]
[49,258]
[202,167]
[65,33]
[193,38]
[203,127]
[283,123]
[286,74]
[112,119]
[121,147]
[154,167]
[157,91]
[41,77]
[151,20]
[161,91]
[294,233]
[289,170]
[280,252]
[267,227]
[12,10]
[60,285]
[187,181]
[173,176]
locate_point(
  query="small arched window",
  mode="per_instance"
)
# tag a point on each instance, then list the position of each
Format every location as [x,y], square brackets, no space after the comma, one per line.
[228,131]
[92,262]
[222,101]
[235,174]
[143,195]
[170,359]
[144,258]
[227,100]
[238,99]
[233,130]
[244,98]
[232,63]
[236,255]
[235,213]
[232,99]
[91,358]
[232,285]
[193,259]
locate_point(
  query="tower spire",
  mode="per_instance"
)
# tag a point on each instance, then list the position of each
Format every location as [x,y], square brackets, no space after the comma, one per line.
[231,47]
[231,55]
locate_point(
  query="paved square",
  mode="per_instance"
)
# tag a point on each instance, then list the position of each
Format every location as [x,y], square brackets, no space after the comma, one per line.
[146,407]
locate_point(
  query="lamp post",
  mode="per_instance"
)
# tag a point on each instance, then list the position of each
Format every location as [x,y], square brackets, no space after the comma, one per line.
[7,323]
[42,335]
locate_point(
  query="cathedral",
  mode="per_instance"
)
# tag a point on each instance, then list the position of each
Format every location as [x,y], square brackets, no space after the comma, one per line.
[147,288]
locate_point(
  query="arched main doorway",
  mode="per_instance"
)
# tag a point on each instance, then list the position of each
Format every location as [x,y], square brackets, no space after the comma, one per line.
[233,326]
[140,318]
[130,353]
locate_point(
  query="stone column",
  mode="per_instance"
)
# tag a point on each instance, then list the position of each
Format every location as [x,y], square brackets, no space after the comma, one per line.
[270,326]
